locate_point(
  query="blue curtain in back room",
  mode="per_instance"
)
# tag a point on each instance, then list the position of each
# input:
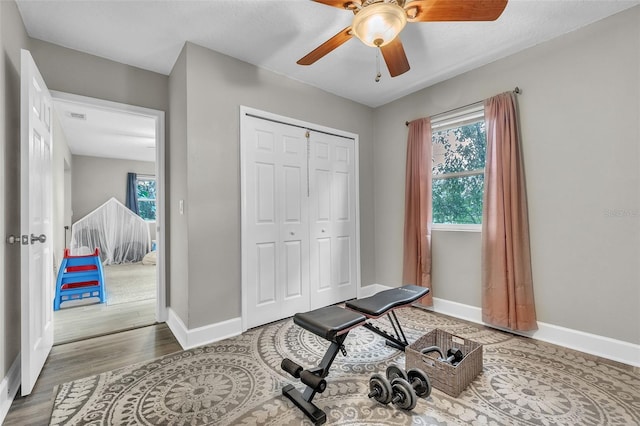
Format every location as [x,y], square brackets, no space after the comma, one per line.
[132,193]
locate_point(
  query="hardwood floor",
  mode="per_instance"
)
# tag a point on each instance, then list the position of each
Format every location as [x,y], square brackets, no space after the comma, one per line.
[84,358]
[82,322]
[130,303]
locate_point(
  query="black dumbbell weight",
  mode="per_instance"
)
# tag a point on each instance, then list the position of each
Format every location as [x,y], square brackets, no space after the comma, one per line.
[404,396]
[419,382]
[454,356]
[380,389]
[415,377]
[394,372]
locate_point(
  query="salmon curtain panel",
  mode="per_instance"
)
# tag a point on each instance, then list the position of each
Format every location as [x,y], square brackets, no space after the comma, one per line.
[507,284]
[417,211]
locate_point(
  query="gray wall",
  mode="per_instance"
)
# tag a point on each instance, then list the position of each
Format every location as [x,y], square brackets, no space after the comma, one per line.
[579,114]
[95,180]
[63,70]
[176,167]
[216,87]
[12,38]
[71,71]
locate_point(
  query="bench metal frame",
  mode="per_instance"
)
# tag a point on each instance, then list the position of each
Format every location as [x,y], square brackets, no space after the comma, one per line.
[303,400]
[397,340]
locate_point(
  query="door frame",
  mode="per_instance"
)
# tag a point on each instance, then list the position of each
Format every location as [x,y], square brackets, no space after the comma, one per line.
[158,116]
[256,113]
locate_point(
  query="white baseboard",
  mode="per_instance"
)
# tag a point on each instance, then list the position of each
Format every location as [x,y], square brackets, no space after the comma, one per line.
[605,347]
[190,338]
[370,290]
[9,388]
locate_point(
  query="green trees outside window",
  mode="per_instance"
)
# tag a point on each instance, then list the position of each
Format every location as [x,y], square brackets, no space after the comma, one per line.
[147,198]
[458,174]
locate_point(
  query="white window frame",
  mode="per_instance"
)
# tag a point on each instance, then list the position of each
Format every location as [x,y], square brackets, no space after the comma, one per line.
[449,120]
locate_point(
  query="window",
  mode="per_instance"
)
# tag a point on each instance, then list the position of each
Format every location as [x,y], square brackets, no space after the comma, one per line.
[146,193]
[458,167]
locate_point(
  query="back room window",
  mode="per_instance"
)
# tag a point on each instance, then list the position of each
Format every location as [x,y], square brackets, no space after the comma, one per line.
[146,191]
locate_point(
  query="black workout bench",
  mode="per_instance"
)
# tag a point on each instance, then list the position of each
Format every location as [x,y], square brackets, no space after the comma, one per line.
[334,323]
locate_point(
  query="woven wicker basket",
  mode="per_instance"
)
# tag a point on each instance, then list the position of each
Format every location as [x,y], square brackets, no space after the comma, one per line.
[445,377]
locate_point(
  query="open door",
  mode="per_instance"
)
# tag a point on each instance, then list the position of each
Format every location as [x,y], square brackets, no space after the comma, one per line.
[36,187]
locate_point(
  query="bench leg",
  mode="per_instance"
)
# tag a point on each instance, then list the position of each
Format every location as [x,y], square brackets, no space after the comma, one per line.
[303,400]
[315,414]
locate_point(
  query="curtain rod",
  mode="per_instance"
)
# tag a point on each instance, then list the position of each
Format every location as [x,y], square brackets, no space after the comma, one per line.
[517,91]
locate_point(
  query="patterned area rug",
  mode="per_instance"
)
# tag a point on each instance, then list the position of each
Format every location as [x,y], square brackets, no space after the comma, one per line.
[238,381]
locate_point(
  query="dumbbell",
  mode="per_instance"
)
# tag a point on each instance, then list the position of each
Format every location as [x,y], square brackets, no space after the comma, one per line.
[380,389]
[417,378]
[454,355]
[399,392]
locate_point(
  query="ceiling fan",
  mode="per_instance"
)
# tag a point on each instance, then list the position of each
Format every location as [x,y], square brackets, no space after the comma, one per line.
[377,23]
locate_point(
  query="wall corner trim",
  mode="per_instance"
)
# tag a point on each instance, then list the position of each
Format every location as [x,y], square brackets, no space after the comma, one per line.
[9,388]
[190,338]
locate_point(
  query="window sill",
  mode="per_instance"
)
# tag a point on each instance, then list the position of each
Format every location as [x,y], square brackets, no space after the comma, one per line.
[456,227]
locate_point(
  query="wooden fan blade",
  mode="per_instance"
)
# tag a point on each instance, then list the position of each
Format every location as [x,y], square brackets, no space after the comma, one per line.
[326,47]
[341,4]
[454,10]
[395,57]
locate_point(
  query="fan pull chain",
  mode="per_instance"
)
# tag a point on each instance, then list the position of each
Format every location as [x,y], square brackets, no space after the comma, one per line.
[378,75]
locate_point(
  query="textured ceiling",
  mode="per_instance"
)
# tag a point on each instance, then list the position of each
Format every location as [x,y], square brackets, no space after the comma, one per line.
[274,34]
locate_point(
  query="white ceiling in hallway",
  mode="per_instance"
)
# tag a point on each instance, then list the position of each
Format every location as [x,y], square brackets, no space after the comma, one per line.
[100,132]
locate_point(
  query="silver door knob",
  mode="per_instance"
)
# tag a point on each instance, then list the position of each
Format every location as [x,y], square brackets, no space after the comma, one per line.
[292,233]
[322,230]
[12,239]
[42,238]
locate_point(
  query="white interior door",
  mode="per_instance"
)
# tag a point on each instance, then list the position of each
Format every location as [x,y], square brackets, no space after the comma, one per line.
[332,205]
[37,284]
[275,234]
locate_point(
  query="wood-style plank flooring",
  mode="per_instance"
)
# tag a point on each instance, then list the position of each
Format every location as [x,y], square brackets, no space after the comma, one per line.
[84,358]
[81,322]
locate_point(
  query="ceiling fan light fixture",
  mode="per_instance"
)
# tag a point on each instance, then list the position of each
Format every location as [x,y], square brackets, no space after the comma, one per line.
[379,23]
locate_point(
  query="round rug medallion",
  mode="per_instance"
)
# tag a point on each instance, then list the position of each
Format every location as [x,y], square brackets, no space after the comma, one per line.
[366,351]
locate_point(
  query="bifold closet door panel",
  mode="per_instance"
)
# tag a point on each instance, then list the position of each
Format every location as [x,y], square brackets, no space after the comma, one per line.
[276,232]
[332,219]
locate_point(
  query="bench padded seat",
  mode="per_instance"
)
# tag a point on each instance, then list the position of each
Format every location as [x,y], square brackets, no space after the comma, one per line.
[381,302]
[329,321]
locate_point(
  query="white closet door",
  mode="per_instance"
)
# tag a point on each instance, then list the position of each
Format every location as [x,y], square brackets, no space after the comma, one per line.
[332,208]
[276,232]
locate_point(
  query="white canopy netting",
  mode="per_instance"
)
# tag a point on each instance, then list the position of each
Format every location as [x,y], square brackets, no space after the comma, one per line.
[121,235]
